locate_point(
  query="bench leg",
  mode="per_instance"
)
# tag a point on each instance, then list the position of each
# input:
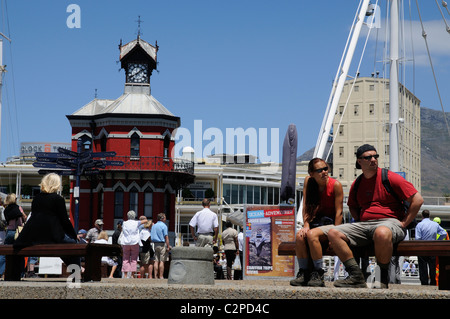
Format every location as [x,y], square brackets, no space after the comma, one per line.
[9,267]
[14,265]
[444,273]
[93,268]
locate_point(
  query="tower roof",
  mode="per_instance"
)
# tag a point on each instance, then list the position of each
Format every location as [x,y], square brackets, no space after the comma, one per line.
[127,103]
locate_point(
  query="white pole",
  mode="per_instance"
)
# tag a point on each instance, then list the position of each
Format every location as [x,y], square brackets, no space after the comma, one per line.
[2,69]
[393,88]
[325,131]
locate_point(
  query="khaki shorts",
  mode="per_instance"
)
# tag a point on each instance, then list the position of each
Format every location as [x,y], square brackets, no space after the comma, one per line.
[326,228]
[361,233]
[161,252]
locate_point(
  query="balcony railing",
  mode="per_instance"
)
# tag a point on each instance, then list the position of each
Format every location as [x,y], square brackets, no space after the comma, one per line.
[152,163]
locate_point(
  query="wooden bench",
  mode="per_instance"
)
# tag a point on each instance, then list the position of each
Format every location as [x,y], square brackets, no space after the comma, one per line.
[439,249]
[92,253]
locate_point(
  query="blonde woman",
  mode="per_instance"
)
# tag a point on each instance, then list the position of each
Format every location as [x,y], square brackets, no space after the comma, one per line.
[14,217]
[103,239]
[49,221]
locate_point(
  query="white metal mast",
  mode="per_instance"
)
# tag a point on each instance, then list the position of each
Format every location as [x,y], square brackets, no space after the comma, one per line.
[2,70]
[393,88]
[337,90]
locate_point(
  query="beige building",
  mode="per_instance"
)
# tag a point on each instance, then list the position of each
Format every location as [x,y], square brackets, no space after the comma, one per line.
[364,118]
[232,182]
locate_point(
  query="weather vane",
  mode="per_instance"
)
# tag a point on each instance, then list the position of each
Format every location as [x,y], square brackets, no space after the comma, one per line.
[139,26]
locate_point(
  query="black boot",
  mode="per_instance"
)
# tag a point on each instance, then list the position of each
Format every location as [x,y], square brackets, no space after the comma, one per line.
[317,278]
[355,277]
[302,278]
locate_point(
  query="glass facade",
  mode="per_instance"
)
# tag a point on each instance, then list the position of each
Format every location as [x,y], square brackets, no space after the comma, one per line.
[250,194]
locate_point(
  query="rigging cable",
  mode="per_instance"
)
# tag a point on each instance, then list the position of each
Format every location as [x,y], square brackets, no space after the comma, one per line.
[424,35]
[447,28]
[349,94]
[444,4]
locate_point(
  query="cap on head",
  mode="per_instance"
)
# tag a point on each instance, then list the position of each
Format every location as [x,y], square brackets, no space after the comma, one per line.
[99,222]
[361,150]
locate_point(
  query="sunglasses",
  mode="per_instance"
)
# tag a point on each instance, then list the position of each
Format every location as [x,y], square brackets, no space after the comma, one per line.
[320,170]
[368,158]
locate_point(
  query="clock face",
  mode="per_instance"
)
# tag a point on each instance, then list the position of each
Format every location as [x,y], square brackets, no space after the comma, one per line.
[137,73]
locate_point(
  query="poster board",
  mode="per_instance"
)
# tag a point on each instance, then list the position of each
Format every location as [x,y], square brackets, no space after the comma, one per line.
[265,228]
[50,266]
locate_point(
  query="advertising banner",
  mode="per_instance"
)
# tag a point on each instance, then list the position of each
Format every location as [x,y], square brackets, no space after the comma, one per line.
[266,227]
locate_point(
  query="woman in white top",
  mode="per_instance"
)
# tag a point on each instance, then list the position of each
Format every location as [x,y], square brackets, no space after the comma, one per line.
[130,243]
[103,239]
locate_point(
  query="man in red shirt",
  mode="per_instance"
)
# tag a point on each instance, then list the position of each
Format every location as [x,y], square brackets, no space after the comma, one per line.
[379,218]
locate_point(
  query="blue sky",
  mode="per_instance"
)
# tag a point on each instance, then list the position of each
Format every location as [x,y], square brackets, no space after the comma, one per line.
[231,64]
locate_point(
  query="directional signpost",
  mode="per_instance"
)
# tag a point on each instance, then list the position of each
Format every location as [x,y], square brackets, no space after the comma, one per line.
[66,162]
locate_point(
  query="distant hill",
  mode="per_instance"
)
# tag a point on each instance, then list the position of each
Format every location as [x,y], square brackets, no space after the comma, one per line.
[435,151]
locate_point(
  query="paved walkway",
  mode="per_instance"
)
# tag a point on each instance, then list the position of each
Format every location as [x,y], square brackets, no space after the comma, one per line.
[58,288]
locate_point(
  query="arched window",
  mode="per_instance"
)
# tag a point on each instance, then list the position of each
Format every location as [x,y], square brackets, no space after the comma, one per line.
[166,146]
[100,198]
[103,141]
[118,203]
[134,145]
[148,202]
[86,143]
[134,199]
[167,203]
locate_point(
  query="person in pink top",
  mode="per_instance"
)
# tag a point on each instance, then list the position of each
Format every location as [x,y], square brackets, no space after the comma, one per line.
[380,218]
[322,209]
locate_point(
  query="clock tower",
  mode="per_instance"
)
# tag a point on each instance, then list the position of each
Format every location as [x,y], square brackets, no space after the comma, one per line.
[140,131]
[138,59]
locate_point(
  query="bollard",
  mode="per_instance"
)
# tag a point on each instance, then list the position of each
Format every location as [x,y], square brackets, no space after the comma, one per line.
[191,265]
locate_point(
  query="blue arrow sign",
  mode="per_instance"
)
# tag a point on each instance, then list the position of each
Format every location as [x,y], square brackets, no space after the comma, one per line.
[104,154]
[49,165]
[51,155]
[113,163]
[91,172]
[67,152]
[59,172]
[69,163]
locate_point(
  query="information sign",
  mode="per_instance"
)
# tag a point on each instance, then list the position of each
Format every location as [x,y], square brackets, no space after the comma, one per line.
[266,227]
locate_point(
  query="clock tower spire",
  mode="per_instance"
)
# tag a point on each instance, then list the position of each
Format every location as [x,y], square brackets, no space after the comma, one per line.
[138,59]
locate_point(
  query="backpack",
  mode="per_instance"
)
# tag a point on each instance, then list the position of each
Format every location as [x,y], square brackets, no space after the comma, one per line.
[387,186]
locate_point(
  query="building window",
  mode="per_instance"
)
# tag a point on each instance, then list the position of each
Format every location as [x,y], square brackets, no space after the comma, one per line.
[118,203]
[100,200]
[167,204]
[227,193]
[103,141]
[134,146]
[371,109]
[134,199]
[264,195]
[148,203]
[257,195]
[166,146]
[86,143]
[270,196]
[250,194]
[234,194]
